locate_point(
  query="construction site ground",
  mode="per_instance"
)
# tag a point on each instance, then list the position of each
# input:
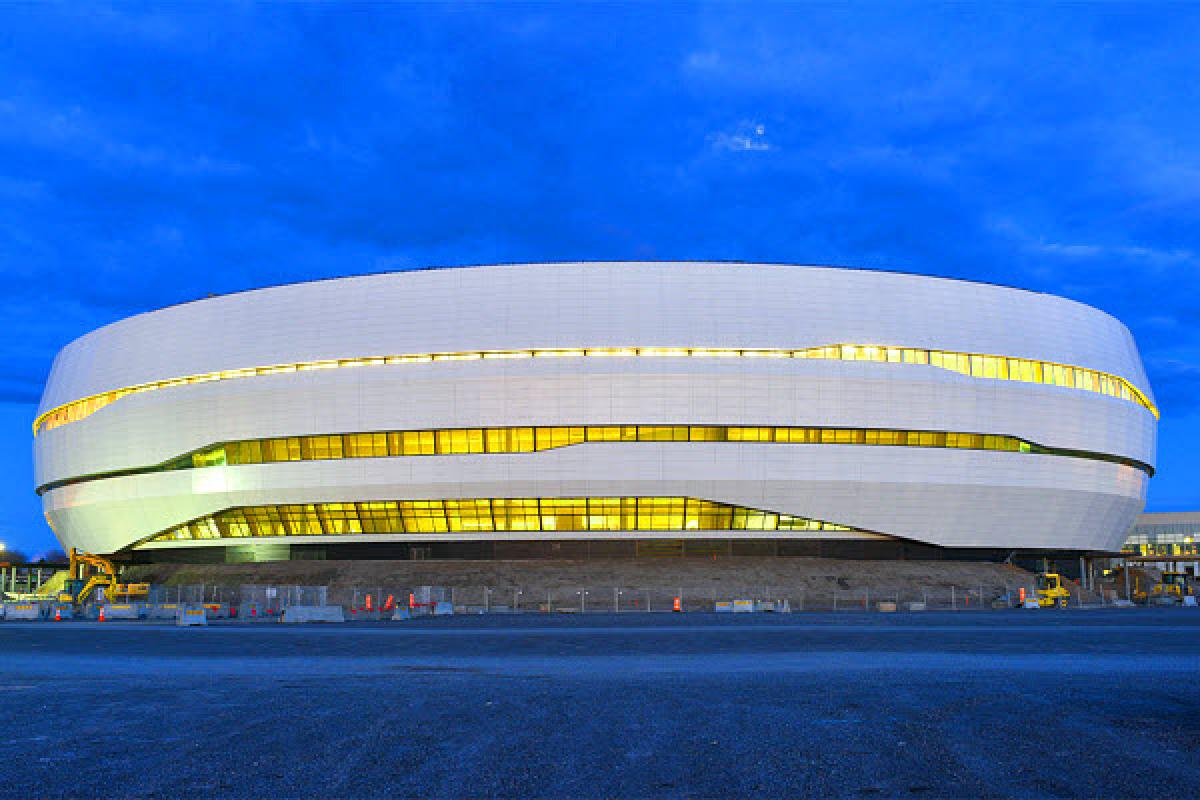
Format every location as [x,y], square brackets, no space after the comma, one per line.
[1019,703]
[818,580]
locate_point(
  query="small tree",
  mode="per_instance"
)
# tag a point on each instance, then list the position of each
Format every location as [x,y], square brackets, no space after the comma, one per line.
[11,556]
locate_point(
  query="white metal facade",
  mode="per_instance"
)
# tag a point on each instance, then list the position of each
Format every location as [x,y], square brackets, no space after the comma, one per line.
[954,498]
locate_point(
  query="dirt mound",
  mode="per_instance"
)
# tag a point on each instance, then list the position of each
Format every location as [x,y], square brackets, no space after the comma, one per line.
[812,577]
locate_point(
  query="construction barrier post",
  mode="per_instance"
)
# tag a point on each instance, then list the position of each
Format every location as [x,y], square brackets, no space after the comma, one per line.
[677,604]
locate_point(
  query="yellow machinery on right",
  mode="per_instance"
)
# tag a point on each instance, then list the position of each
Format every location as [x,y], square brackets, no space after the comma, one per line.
[1171,589]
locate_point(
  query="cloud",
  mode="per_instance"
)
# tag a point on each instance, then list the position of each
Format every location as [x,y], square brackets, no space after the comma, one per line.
[150,158]
[748,137]
[74,133]
[1150,257]
[1176,384]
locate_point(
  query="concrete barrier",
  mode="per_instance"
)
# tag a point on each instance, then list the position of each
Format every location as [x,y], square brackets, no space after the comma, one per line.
[253,611]
[217,610]
[188,616]
[743,606]
[723,607]
[313,614]
[22,612]
[401,614]
[887,606]
[123,611]
[443,609]
[773,606]
[163,610]
[916,605]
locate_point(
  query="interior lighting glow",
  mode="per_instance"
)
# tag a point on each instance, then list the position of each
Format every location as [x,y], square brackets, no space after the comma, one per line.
[489,515]
[530,439]
[988,367]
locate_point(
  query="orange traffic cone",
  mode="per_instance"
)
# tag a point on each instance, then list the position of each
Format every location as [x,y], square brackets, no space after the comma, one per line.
[102,613]
[58,615]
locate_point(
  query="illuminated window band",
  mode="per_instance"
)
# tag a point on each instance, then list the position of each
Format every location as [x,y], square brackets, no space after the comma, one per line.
[466,441]
[490,515]
[974,365]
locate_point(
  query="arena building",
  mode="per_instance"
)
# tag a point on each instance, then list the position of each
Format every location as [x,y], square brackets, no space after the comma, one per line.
[600,409]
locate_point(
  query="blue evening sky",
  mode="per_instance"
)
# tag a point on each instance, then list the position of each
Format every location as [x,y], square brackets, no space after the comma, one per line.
[150,155]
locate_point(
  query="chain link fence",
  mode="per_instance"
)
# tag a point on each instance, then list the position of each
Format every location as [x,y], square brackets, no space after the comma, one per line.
[264,601]
[366,602]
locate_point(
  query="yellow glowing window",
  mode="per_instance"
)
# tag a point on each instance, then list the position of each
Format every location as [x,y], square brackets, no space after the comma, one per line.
[464,441]
[604,433]
[613,352]
[976,365]
[716,353]
[750,434]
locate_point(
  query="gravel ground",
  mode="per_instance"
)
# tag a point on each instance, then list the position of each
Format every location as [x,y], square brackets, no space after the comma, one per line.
[1008,704]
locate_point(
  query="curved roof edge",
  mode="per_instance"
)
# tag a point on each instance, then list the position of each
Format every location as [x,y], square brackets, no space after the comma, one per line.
[611,262]
[656,262]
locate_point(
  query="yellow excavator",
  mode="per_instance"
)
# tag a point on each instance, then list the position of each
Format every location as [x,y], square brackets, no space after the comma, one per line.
[1171,588]
[88,572]
[1051,591]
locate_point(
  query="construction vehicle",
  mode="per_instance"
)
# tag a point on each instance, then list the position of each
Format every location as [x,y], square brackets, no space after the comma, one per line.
[1171,588]
[1051,591]
[88,573]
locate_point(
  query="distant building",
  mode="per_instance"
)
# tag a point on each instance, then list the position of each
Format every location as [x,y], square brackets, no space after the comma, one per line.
[617,409]
[1165,534]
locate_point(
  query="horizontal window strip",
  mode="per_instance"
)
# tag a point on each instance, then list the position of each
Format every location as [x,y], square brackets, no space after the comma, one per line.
[532,439]
[489,515]
[972,364]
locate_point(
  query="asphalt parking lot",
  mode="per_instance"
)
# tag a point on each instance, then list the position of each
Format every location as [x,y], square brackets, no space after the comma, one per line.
[1007,704]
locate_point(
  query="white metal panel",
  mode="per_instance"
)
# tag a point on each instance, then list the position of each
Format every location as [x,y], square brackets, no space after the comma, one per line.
[954,498]
[589,305]
[946,497]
